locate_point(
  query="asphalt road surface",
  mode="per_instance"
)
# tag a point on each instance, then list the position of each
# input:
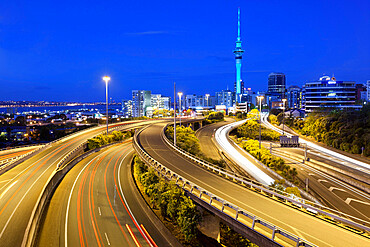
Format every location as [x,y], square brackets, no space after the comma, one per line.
[21,186]
[299,223]
[97,204]
[205,136]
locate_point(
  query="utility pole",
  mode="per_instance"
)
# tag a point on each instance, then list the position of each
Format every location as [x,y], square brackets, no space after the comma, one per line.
[174,113]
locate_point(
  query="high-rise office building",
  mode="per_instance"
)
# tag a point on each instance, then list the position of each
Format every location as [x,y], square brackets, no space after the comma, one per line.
[141,100]
[238,52]
[368,90]
[329,93]
[226,98]
[276,85]
[127,108]
[294,97]
[160,102]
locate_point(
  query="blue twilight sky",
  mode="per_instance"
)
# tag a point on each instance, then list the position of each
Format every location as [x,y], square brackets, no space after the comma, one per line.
[59,50]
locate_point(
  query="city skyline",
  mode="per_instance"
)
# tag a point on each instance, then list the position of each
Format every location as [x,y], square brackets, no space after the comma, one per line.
[60,53]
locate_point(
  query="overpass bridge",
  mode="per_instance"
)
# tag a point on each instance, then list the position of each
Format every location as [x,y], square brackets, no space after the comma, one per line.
[259,216]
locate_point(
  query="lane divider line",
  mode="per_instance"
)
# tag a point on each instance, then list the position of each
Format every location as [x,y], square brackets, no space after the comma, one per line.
[106,236]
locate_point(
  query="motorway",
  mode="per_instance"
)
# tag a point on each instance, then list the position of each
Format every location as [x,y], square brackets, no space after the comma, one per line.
[334,193]
[21,186]
[205,136]
[12,153]
[345,160]
[302,224]
[98,204]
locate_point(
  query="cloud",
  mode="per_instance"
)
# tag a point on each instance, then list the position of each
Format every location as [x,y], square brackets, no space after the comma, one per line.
[147,33]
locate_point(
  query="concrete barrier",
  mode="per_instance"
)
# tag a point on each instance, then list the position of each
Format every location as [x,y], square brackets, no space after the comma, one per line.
[220,207]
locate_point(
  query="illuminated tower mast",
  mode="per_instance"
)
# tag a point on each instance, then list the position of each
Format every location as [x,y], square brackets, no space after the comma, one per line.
[238,60]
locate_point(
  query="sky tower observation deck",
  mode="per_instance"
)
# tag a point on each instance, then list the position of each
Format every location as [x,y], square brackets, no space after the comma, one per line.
[238,61]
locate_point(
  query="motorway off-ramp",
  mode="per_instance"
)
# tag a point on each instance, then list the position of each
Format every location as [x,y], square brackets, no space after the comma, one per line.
[301,224]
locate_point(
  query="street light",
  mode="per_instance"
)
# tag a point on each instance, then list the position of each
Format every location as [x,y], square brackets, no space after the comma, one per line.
[260,100]
[106,79]
[180,111]
[284,100]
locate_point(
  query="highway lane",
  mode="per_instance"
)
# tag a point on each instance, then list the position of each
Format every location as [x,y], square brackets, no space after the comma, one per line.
[205,136]
[12,153]
[97,204]
[335,193]
[21,186]
[346,160]
[303,225]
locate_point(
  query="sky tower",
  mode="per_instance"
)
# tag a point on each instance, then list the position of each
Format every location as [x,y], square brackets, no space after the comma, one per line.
[238,61]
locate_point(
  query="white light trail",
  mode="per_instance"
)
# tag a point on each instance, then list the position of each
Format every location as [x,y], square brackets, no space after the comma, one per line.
[315,146]
[221,138]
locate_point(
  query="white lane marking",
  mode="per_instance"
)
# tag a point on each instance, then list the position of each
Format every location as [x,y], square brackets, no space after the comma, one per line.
[124,198]
[224,195]
[311,174]
[335,188]
[6,190]
[20,201]
[99,211]
[4,181]
[348,201]
[322,180]
[69,202]
[106,236]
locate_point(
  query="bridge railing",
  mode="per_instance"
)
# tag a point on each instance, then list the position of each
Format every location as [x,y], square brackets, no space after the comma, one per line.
[334,216]
[217,203]
[64,165]
[7,164]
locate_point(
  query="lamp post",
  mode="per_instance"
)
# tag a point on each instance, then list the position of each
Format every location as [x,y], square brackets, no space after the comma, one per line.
[260,100]
[180,111]
[106,79]
[284,100]
[174,113]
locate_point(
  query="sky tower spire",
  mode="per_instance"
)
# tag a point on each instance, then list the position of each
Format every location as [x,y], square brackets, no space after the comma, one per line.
[238,39]
[238,52]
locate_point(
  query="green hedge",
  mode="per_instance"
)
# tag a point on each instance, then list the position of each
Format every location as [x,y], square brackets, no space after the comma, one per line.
[104,139]
[250,130]
[169,199]
[348,131]
[185,139]
[273,162]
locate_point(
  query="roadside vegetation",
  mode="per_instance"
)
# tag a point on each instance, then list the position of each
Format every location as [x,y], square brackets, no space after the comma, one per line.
[169,199]
[104,139]
[275,163]
[213,117]
[178,212]
[229,237]
[250,130]
[348,131]
[186,140]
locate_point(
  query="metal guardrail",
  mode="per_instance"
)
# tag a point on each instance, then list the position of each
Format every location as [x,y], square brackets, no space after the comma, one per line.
[332,215]
[217,203]
[7,164]
[303,193]
[63,166]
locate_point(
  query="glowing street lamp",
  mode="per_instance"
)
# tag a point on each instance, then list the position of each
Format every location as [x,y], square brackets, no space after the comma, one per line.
[260,100]
[180,94]
[106,79]
[284,100]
